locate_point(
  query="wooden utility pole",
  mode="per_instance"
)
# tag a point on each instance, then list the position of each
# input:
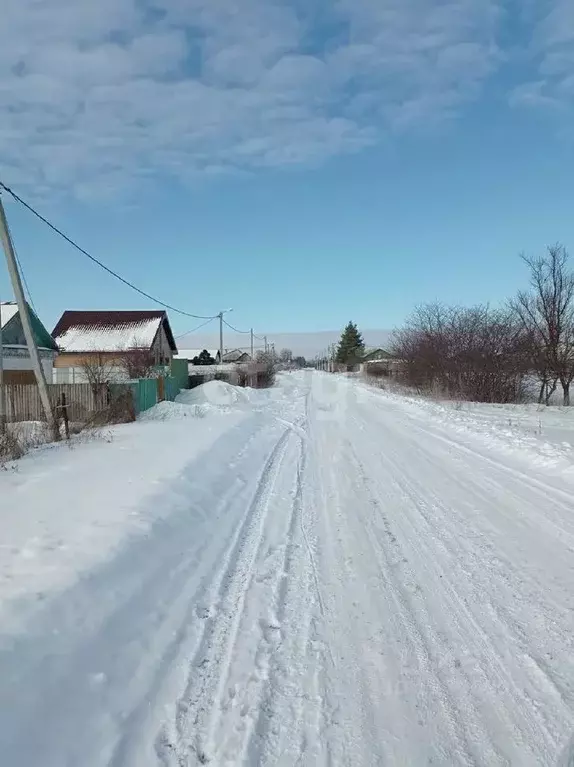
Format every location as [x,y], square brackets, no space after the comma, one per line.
[26,324]
[252,358]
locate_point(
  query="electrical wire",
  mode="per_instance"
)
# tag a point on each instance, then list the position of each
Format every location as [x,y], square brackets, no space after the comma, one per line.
[244,332]
[193,330]
[21,268]
[99,263]
[236,330]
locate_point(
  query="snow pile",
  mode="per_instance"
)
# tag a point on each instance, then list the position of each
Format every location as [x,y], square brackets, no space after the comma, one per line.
[213,393]
[30,433]
[173,411]
[213,397]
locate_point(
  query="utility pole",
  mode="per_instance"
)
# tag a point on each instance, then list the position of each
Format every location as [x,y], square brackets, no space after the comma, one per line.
[220,315]
[26,325]
[220,338]
[252,345]
[2,391]
[265,339]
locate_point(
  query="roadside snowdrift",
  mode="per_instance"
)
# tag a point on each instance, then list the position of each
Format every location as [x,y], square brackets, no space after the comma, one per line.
[66,508]
[544,435]
[214,397]
[213,393]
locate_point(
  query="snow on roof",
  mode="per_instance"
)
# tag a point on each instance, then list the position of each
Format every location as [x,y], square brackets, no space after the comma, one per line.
[107,331]
[7,310]
[234,355]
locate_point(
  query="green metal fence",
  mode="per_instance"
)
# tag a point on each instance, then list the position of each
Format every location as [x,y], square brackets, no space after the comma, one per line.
[179,371]
[172,388]
[146,394]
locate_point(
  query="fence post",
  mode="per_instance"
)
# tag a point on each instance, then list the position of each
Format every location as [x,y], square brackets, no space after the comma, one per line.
[64,407]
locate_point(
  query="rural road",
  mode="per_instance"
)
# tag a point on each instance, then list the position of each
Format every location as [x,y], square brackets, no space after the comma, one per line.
[349,584]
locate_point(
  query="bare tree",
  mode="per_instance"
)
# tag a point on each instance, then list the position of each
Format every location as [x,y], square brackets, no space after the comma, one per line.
[99,370]
[266,368]
[475,353]
[138,362]
[546,312]
[285,356]
[265,357]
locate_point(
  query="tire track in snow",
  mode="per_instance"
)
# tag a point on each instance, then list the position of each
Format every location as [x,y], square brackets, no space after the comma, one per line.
[389,556]
[262,630]
[493,668]
[291,707]
[507,591]
[199,709]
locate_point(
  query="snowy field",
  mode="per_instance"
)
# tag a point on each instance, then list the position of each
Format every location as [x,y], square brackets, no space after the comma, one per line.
[317,574]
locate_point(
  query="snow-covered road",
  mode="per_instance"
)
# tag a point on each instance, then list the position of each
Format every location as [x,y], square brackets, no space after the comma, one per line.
[337,580]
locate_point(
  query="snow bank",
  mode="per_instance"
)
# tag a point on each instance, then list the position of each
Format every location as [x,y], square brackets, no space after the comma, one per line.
[544,435]
[30,433]
[214,397]
[68,507]
[213,393]
[173,411]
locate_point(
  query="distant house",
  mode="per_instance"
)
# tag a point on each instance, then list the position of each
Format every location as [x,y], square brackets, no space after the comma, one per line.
[15,357]
[376,354]
[106,337]
[380,362]
[237,356]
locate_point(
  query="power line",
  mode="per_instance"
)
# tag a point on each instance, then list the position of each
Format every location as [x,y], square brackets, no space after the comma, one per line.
[193,330]
[236,330]
[22,272]
[98,262]
[244,332]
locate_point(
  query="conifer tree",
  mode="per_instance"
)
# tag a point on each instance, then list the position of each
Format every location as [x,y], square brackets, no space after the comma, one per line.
[351,346]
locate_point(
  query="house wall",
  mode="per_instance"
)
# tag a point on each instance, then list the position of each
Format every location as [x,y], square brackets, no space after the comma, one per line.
[72,359]
[18,359]
[161,349]
[69,366]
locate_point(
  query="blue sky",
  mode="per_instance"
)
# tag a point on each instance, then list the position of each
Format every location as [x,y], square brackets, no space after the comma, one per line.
[303,162]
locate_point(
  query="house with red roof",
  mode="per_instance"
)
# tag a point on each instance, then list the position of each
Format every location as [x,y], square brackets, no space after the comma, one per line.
[107,339]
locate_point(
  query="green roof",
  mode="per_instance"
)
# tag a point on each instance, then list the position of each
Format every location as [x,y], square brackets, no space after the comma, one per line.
[13,332]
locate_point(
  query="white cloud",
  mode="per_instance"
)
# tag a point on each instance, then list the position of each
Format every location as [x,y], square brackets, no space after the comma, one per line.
[98,96]
[552,52]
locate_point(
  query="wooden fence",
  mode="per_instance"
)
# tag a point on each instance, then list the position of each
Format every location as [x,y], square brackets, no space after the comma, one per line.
[23,401]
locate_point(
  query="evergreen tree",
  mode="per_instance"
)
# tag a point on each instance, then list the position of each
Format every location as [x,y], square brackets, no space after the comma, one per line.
[351,346]
[204,358]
